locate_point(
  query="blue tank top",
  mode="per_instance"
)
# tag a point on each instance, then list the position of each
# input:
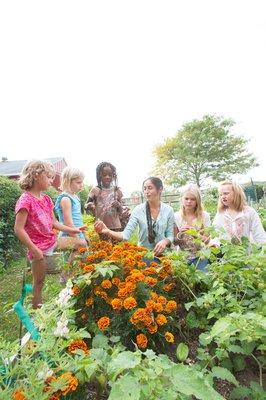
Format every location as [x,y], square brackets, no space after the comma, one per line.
[75,212]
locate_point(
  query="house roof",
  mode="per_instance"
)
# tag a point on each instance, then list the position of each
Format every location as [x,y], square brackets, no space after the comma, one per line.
[14,168]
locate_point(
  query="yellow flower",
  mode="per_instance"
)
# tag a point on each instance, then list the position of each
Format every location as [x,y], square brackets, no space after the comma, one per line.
[169,337]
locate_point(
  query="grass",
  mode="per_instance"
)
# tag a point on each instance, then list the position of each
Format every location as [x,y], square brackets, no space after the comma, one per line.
[10,292]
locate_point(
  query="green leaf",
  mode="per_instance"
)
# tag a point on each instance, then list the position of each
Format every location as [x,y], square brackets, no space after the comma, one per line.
[182,352]
[190,382]
[127,388]
[234,348]
[124,360]
[205,339]
[239,393]
[100,341]
[225,374]
[239,363]
[114,339]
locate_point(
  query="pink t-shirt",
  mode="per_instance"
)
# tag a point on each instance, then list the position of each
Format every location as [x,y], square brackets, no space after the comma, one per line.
[39,224]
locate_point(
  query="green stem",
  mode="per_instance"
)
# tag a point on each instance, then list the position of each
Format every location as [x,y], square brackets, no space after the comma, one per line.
[209,362]
[188,288]
[260,368]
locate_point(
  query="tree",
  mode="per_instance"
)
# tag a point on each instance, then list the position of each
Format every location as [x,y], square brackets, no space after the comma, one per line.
[203,149]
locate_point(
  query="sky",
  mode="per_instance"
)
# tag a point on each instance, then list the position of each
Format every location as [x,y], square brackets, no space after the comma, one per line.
[105,80]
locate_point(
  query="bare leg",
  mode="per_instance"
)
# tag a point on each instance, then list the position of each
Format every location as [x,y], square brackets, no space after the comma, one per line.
[73,244]
[38,274]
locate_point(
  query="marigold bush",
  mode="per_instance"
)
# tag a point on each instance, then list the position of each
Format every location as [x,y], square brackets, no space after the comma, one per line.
[121,294]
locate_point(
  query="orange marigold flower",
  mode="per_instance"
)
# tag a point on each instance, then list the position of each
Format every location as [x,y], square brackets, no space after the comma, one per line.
[71,383]
[129,303]
[152,328]
[154,296]
[122,292]
[158,307]
[103,323]
[89,301]
[150,304]
[117,304]
[150,281]
[170,306]
[168,287]
[142,341]
[149,271]
[106,284]
[161,319]
[169,337]
[162,300]
[137,276]
[140,314]
[141,264]
[88,268]
[82,250]
[116,281]
[78,344]
[55,396]
[103,295]
[18,395]
[76,290]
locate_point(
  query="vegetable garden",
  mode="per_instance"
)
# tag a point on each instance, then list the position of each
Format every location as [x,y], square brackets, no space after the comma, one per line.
[125,328]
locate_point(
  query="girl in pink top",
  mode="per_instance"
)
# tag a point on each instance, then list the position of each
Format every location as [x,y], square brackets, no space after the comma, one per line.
[35,221]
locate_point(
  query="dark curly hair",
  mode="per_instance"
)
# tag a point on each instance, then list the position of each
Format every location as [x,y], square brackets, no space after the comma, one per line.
[99,170]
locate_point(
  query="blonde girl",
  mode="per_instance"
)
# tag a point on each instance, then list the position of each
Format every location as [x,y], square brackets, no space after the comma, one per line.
[191,216]
[68,207]
[235,218]
[191,213]
[35,221]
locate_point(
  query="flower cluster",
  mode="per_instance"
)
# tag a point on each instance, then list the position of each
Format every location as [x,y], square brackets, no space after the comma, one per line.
[133,300]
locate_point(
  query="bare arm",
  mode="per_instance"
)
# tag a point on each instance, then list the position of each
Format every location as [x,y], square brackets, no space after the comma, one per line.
[67,212]
[67,229]
[100,227]
[20,222]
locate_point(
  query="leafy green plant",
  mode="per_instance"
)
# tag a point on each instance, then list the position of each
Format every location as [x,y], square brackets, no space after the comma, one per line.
[9,245]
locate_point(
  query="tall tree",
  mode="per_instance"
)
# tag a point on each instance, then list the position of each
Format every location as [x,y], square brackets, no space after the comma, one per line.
[203,149]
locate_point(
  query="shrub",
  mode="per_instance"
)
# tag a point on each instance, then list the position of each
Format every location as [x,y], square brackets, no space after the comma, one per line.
[9,244]
[120,294]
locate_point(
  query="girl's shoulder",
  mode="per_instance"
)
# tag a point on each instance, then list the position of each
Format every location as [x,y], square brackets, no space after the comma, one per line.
[249,211]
